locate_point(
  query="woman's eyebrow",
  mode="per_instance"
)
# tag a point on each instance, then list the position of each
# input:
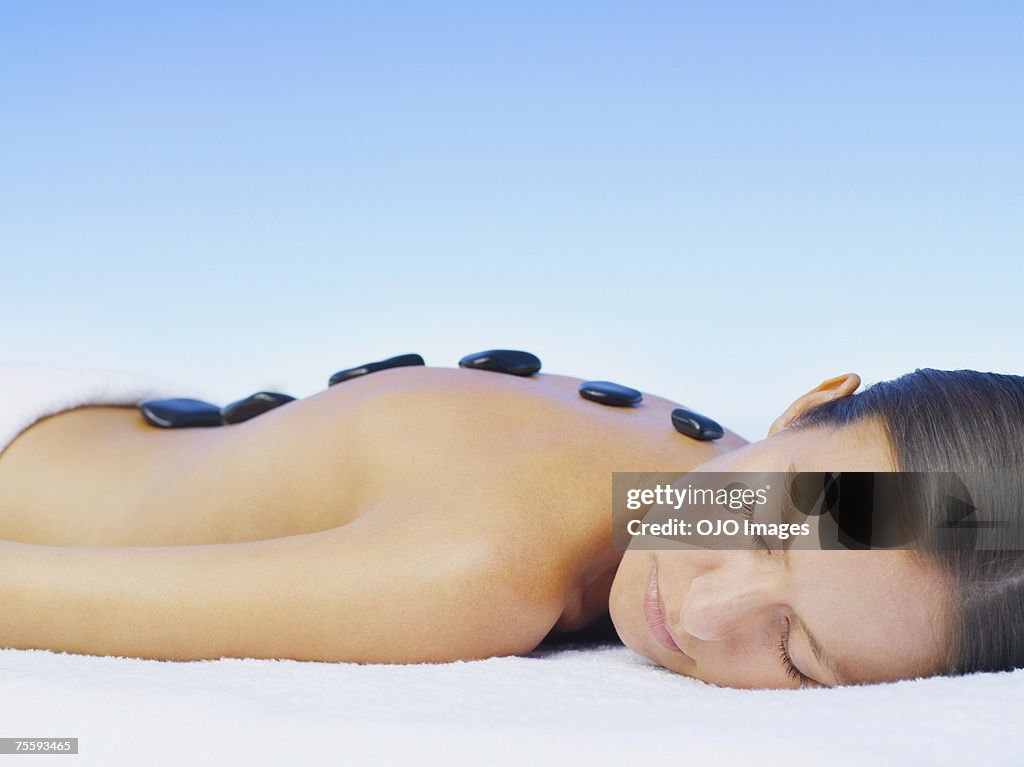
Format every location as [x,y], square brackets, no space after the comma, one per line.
[789,513]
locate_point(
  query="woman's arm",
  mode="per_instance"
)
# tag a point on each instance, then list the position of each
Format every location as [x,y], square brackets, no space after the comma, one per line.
[365,592]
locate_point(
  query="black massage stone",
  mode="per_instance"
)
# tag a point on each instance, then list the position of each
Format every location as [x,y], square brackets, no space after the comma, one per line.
[510,361]
[695,425]
[608,393]
[401,361]
[253,405]
[180,413]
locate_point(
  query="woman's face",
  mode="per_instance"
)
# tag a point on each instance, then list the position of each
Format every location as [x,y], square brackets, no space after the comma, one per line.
[720,616]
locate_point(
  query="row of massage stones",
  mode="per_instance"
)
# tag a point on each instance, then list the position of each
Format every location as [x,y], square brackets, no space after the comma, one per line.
[185,412]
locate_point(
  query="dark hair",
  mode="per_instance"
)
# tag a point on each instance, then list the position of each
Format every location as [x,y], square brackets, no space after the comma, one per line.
[972,424]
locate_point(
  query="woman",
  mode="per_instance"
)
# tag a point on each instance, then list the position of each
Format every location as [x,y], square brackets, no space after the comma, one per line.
[423,514]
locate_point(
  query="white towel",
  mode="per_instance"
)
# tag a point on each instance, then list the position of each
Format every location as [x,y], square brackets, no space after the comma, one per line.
[29,393]
[593,706]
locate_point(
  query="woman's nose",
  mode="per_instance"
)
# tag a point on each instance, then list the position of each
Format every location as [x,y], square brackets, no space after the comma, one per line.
[727,599]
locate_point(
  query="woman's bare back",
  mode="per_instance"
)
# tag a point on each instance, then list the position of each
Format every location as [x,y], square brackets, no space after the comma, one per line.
[447,439]
[415,462]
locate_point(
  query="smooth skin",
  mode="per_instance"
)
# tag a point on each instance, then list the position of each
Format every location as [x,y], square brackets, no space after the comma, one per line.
[844,617]
[412,515]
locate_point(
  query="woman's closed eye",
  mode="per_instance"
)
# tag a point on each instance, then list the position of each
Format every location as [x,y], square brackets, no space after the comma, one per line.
[783,645]
[787,661]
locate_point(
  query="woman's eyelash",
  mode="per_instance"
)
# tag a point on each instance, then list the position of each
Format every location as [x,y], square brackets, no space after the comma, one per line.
[787,661]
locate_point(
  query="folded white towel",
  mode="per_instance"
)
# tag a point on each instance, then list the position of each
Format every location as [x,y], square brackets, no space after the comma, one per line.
[29,393]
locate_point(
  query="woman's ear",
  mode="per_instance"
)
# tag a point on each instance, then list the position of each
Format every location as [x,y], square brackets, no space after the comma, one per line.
[834,388]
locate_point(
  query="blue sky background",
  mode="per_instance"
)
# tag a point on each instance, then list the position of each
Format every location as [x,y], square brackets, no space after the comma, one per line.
[719,203]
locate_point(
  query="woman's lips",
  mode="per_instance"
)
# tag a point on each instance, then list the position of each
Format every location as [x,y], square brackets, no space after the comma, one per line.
[654,614]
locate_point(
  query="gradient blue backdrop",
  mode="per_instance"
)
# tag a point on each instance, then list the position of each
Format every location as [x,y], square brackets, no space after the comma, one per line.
[720,203]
